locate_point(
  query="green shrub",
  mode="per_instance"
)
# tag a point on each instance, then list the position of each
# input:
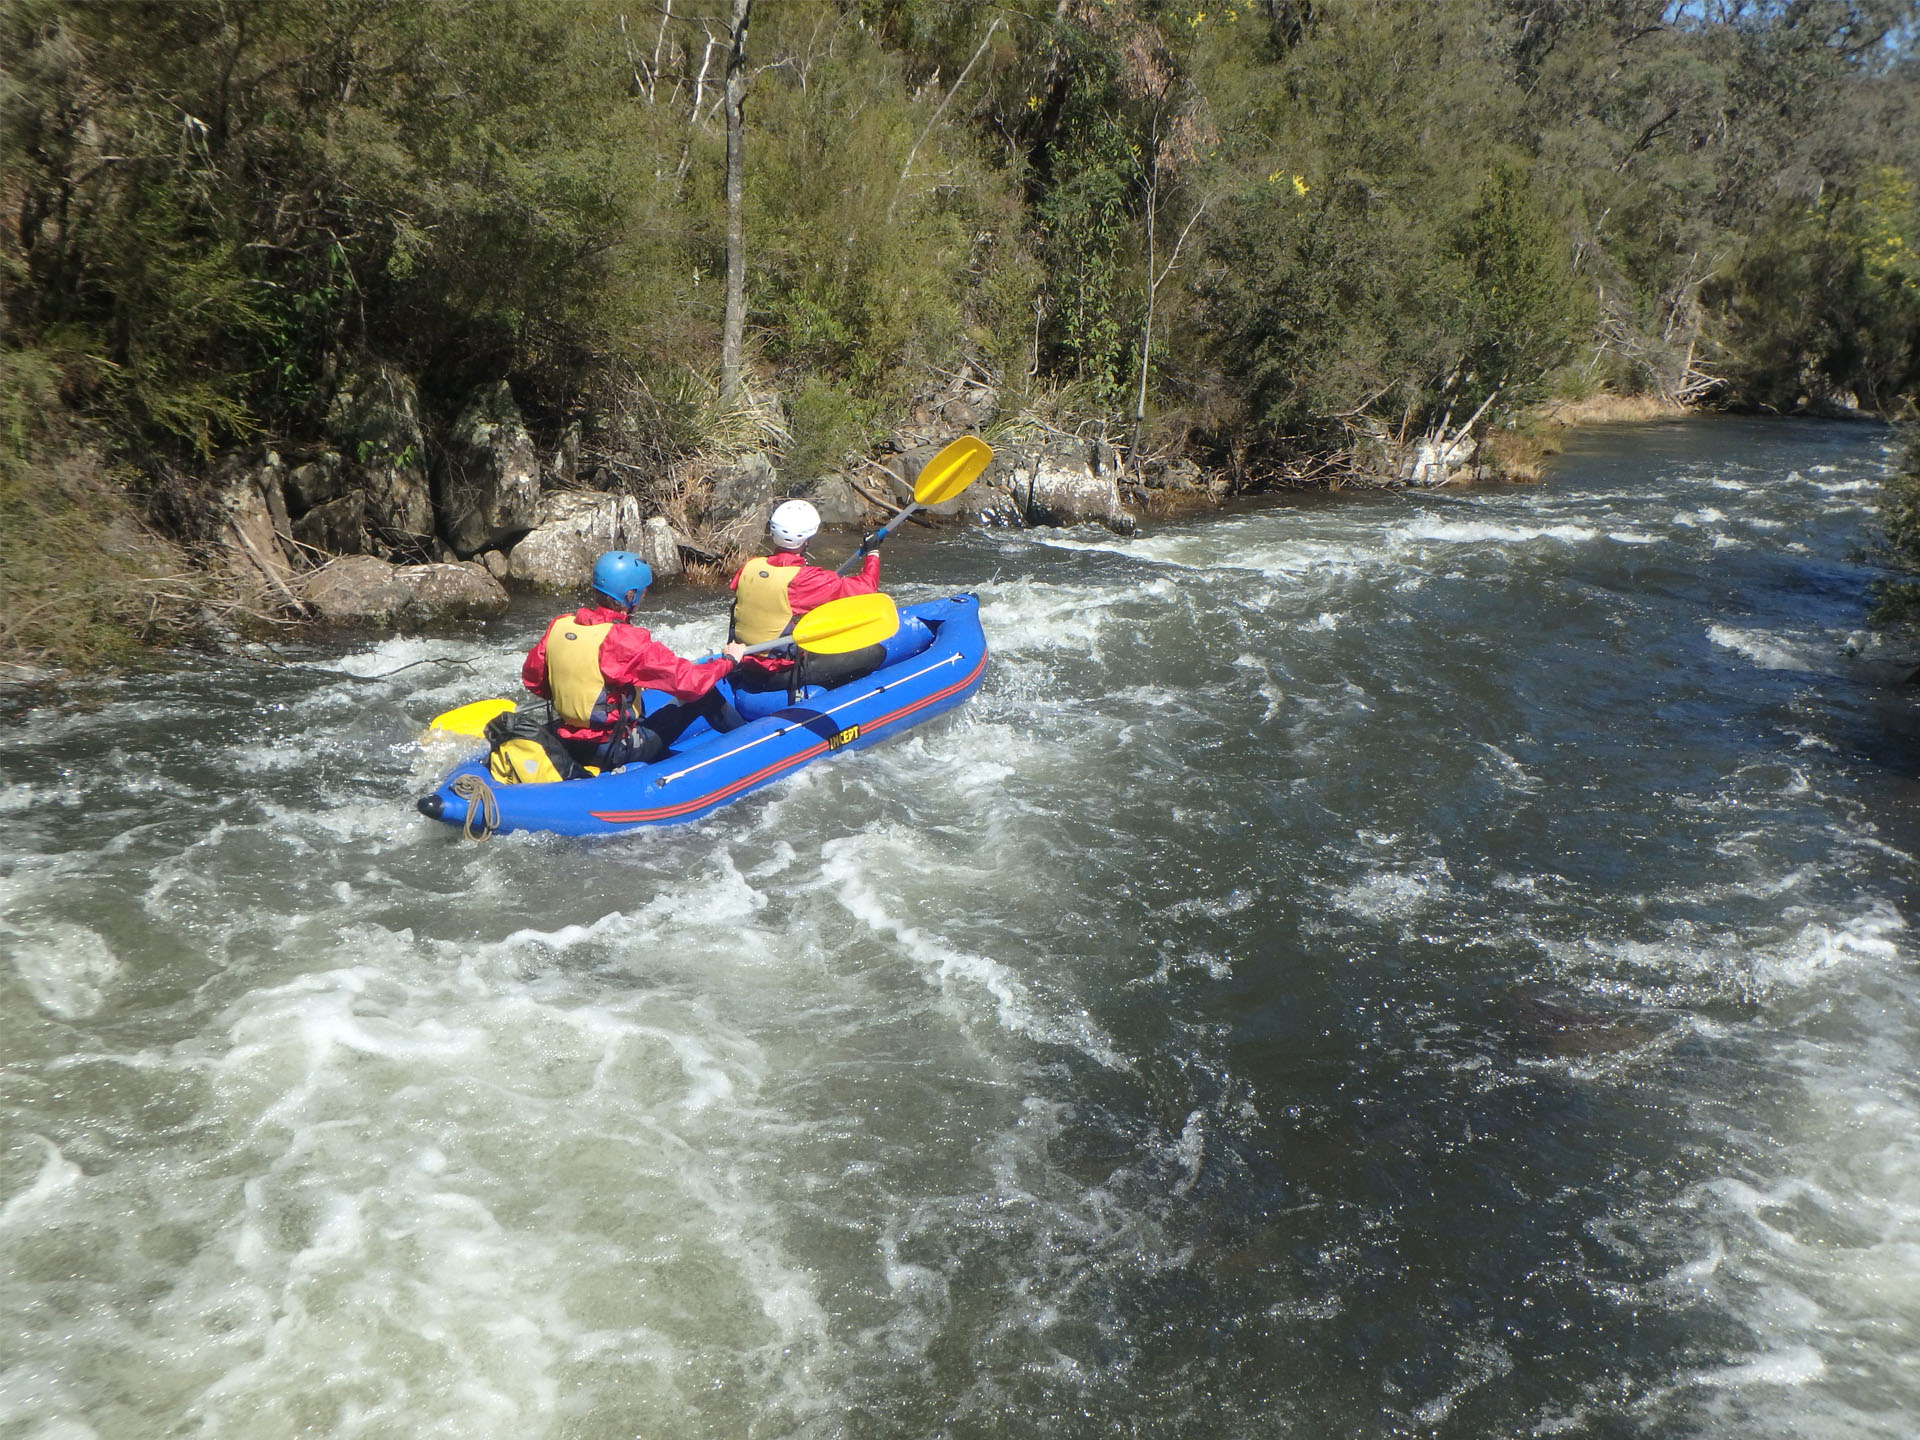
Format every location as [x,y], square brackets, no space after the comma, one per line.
[827,423]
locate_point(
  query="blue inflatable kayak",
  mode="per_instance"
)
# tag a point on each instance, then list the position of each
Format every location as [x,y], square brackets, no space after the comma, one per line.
[934,663]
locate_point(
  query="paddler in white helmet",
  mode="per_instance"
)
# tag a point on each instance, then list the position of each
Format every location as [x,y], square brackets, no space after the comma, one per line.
[774,590]
[592,664]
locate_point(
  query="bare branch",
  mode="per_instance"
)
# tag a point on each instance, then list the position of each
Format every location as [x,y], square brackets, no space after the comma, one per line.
[940,110]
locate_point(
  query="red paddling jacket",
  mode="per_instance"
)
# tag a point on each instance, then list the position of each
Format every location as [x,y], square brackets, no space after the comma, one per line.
[592,665]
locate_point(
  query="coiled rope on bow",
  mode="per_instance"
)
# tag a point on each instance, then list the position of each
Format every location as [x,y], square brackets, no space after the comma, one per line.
[481,805]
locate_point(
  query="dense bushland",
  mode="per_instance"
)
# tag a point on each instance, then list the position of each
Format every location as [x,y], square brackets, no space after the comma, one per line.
[1262,232]
[1897,601]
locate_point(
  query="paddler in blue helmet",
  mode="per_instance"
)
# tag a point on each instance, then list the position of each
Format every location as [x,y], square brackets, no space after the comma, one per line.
[592,664]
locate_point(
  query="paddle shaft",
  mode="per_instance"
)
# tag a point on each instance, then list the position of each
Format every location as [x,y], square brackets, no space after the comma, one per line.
[782,643]
[873,542]
[849,623]
[948,474]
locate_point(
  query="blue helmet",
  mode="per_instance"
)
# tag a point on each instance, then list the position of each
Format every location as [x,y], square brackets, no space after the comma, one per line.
[622,577]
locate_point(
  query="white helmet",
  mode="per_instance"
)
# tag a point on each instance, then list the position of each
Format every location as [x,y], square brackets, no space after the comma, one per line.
[793,524]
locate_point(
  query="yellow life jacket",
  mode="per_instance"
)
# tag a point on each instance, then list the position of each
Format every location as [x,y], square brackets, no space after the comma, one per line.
[761,610]
[574,682]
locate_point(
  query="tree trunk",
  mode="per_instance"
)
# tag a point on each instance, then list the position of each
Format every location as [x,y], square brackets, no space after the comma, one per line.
[733,330]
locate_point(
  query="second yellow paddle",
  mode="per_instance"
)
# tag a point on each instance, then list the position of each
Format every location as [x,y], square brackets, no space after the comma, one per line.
[852,622]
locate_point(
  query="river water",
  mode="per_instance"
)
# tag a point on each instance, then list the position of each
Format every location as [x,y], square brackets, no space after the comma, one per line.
[1381,965]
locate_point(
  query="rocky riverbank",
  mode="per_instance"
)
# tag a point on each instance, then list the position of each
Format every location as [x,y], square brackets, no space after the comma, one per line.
[385,523]
[386,517]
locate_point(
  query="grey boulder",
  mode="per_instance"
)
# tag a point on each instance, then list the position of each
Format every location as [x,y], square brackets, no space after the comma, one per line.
[364,590]
[488,483]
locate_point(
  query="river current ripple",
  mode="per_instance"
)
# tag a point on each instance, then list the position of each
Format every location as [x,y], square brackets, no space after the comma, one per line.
[1385,965]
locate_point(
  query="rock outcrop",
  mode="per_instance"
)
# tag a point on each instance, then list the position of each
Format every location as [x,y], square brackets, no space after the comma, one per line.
[374,427]
[660,546]
[365,590]
[487,485]
[1437,461]
[837,501]
[254,528]
[741,500]
[487,519]
[571,528]
[1066,485]
[1173,481]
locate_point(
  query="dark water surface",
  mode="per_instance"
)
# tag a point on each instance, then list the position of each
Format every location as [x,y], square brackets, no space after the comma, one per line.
[1378,966]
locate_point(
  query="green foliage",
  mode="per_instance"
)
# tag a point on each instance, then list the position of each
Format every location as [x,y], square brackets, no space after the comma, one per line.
[1898,601]
[1824,304]
[835,289]
[1521,309]
[1387,207]
[1087,230]
[224,197]
[1349,213]
[827,423]
[1364,266]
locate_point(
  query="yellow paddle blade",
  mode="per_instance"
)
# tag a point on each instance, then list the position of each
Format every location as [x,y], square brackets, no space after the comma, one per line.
[955,468]
[847,624]
[471,719]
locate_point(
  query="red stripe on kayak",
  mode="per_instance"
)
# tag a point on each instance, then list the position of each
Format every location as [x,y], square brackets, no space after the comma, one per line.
[747,782]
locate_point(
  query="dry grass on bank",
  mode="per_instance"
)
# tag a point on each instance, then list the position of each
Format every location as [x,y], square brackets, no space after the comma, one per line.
[83,583]
[1520,454]
[1603,409]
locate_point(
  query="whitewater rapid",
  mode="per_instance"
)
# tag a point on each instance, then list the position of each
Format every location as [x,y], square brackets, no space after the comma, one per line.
[1381,965]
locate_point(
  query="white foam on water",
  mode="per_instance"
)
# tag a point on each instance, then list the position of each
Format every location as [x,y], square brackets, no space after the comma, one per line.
[422,653]
[361,820]
[52,1183]
[448,1171]
[17,799]
[1511,773]
[1817,1249]
[1483,532]
[848,866]
[1175,549]
[730,1129]
[1795,1365]
[261,759]
[1797,957]
[1769,649]
[69,969]
[1283,547]
[1036,620]
[1396,894]
[1485,1362]
[1871,938]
